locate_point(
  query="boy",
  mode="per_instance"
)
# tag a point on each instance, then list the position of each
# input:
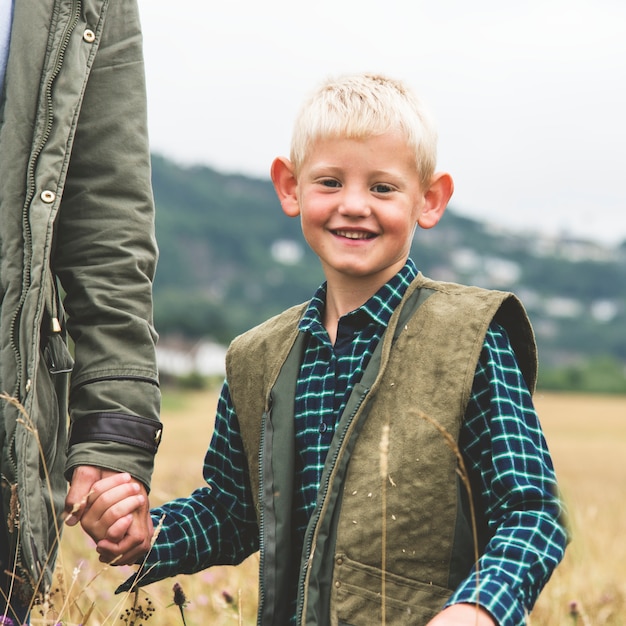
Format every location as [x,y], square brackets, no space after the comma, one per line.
[379,353]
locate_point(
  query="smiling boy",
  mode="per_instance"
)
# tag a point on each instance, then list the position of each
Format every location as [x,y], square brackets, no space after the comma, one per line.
[379,353]
[359,200]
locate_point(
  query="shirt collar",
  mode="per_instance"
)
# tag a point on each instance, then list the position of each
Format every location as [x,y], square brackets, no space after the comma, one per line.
[378,308]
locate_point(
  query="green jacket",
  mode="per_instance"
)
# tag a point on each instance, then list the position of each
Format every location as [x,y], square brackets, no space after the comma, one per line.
[77,257]
[440,329]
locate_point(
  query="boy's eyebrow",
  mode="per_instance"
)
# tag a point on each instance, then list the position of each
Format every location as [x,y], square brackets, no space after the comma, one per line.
[324,168]
[333,167]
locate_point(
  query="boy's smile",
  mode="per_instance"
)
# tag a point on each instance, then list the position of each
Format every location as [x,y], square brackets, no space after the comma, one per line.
[353,235]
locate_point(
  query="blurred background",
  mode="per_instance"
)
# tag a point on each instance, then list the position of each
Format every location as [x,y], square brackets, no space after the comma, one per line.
[528,98]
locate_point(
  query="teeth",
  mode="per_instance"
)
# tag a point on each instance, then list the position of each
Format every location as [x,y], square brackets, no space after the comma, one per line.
[352,235]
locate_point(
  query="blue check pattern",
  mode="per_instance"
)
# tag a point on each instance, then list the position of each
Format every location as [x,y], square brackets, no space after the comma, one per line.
[502,442]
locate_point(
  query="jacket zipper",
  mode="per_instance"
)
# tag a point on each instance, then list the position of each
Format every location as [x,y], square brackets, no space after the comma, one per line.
[28,237]
[69,29]
[308,547]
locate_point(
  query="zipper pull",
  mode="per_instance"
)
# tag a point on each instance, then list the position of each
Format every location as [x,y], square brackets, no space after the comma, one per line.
[56,355]
[55,325]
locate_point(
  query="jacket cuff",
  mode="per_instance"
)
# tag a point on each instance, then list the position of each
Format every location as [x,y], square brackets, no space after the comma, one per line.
[133,430]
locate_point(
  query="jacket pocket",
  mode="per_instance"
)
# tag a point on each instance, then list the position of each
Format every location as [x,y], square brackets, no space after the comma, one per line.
[357,596]
[56,355]
[50,403]
[52,386]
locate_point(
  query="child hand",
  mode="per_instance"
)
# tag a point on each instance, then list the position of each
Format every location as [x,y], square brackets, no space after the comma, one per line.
[463,615]
[110,505]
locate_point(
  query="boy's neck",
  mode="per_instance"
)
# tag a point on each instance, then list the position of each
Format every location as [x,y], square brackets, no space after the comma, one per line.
[345,293]
[341,300]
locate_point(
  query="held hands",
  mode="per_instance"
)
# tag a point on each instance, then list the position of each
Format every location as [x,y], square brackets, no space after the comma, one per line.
[463,615]
[113,509]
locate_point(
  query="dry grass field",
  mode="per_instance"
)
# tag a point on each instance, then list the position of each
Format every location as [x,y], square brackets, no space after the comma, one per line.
[587,437]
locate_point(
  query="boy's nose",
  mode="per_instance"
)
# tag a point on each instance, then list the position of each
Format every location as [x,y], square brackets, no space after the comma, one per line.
[355,204]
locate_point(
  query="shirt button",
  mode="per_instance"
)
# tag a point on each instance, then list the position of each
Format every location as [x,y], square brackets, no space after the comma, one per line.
[89,36]
[323,427]
[48,196]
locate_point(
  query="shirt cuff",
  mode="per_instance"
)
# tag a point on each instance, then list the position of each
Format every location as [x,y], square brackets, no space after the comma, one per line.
[492,595]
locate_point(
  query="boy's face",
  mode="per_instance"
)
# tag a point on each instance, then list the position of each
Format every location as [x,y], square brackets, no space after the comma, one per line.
[359,202]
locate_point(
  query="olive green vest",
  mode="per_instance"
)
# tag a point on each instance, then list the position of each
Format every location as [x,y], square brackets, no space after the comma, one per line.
[418,383]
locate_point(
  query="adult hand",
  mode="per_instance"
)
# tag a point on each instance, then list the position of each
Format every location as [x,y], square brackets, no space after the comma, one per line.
[125,542]
[463,615]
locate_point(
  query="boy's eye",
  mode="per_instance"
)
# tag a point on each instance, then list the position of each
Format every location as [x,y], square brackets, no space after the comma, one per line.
[330,182]
[382,188]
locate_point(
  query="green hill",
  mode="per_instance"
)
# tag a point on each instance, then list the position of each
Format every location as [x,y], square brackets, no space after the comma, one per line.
[229,258]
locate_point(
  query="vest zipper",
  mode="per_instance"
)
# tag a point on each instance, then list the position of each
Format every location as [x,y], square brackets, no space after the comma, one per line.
[262,516]
[30,180]
[310,540]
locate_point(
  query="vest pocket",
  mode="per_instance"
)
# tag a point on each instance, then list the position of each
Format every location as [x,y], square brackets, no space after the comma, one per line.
[357,596]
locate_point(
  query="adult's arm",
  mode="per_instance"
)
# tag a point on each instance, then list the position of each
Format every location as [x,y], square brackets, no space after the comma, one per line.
[105,257]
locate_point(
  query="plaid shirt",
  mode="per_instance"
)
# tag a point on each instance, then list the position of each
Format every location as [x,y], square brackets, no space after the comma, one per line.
[501,440]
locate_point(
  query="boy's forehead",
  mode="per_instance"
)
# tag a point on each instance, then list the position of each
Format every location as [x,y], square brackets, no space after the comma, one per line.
[340,141]
[384,153]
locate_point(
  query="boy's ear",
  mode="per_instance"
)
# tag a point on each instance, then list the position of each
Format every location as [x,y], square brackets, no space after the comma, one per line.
[436,199]
[286,185]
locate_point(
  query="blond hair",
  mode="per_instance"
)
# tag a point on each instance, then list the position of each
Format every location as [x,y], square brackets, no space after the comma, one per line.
[364,105]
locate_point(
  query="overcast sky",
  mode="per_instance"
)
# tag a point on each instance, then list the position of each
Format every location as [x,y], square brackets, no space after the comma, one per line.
[529,97]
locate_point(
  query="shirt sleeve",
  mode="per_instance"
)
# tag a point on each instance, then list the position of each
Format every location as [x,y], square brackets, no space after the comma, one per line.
[216,524]
[514,485]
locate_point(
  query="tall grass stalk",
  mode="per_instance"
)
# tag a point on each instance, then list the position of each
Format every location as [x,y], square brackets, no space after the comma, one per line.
[384,475]
[27,423]
[41,602]
[464,476]
[384,471]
